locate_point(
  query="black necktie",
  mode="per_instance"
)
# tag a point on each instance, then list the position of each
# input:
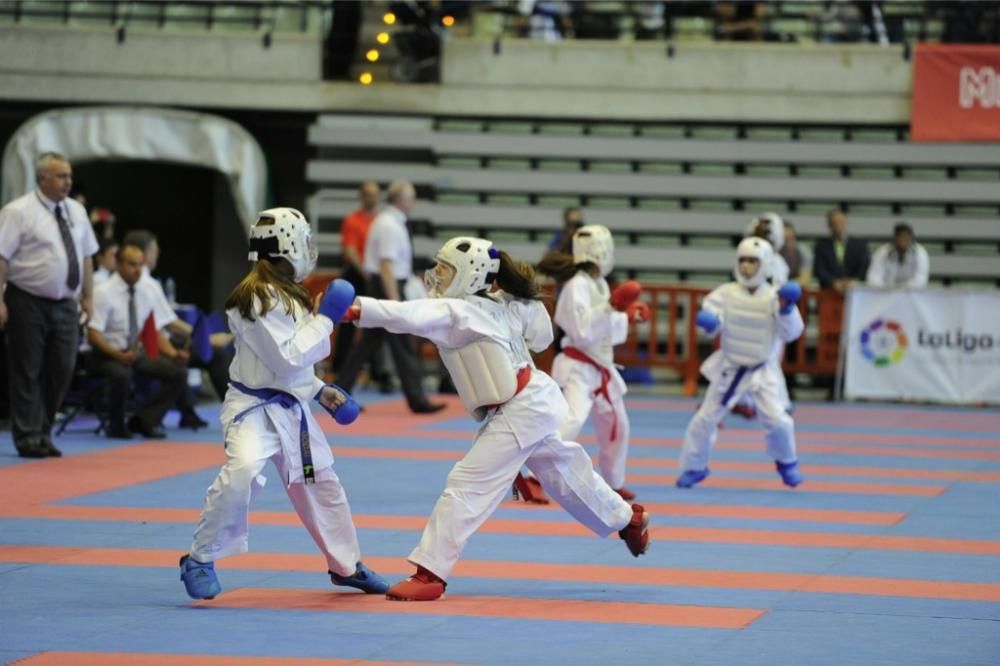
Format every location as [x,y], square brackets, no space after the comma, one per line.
[73,276]
[133,318]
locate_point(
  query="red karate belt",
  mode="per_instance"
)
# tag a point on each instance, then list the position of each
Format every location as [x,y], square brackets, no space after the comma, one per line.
[601,390]
[523,377]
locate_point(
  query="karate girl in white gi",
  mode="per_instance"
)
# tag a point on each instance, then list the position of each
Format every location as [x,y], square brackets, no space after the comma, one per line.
[265,414]
[751,316]
[594,320]
[484,339]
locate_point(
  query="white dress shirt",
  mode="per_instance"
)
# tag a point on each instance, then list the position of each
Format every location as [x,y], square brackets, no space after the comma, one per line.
[886,269]
[33,247]
[111,309]
[389,239]
[101,274]
[162,310]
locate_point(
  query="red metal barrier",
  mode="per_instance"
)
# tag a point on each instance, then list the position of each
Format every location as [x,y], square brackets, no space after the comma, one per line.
[670,339]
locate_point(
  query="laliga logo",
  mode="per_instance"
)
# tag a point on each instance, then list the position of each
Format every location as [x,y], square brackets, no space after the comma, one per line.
[982,85]
[883,342]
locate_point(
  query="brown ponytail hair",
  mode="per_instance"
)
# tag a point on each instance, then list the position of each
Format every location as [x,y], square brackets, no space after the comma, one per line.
[517,278]
[560,265]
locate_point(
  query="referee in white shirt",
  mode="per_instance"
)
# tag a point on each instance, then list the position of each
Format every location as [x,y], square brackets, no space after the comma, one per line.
[46,274]
[388,263]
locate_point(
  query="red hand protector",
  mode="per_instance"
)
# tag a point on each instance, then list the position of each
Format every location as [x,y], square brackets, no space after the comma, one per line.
[353,313]
[625,295]
[638,312]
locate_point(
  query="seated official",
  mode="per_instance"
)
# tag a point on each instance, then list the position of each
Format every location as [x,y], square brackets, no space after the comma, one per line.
[901,263]
[121,307]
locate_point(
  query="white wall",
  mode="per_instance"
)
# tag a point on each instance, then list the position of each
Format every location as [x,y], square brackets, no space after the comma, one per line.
[586,79]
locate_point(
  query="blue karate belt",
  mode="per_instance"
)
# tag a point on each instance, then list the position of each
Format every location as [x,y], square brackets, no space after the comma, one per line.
[740,371]
[270,396]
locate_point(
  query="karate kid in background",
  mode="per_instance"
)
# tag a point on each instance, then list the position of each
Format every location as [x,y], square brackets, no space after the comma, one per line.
[594,320]
[771,228]
[751,316]
[484,339]
[265,414]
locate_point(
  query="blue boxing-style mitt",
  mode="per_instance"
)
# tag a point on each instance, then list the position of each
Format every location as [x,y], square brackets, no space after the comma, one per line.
[344,414]
[707,321]
[790,292]
[338,298]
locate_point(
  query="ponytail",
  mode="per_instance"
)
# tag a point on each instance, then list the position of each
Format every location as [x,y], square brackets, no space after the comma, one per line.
[257,285]
[560,265]
[517,278]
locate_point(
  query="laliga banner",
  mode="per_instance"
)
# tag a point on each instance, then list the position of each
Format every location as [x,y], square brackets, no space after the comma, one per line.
[925,344]
[956,93]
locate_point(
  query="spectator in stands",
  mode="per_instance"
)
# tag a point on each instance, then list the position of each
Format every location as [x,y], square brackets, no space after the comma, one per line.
[353,237]
[121,307]
[739,21]
[544,19]
[901,263]
[219,352]
[388,263]
[840,261]
[562,241]
[798,257]
[105,260]
[45,249]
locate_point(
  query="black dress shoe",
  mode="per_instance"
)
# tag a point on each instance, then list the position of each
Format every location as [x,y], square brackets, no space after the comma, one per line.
[428,408]
[147,431]
[51,449]
[192,420]
[119,432]
[32,450]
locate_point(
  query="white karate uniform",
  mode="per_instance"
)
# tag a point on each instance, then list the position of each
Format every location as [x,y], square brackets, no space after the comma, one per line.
[522,431]
[276,351]
[751,328]
[593,327]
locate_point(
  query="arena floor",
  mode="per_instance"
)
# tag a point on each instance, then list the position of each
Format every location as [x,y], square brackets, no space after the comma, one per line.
[888,554]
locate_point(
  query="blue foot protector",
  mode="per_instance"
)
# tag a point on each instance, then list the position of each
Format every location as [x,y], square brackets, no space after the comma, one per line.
[790,473]
[199,578]
[363,579]
[692,477]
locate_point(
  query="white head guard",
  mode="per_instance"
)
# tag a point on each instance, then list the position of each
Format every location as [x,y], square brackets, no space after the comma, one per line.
[774,229]
[593,243]
[289,237]
[759,249]
[476,263]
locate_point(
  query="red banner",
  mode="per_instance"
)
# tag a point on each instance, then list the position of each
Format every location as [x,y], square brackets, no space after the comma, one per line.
[956,93]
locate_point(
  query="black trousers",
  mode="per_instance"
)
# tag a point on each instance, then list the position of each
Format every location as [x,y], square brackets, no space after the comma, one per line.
[171,387]
[42,339]
[346,333]
[403,355]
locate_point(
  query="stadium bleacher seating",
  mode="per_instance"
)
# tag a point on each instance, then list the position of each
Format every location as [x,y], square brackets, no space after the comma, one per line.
[676,196]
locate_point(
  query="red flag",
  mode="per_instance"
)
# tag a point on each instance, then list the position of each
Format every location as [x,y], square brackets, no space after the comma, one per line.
[149,338]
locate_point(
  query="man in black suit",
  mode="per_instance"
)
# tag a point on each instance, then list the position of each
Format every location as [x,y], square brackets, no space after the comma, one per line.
[840,261]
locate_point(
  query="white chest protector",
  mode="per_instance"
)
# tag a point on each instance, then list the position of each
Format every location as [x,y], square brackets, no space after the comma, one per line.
[750,325]
[485,371]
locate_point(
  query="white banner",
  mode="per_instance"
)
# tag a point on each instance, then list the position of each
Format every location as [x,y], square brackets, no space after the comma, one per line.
[924,344]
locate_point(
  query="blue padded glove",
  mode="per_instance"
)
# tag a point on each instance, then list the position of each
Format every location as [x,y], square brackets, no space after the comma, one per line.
[347,413]
[338,297]
[791,292]
[707,321]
